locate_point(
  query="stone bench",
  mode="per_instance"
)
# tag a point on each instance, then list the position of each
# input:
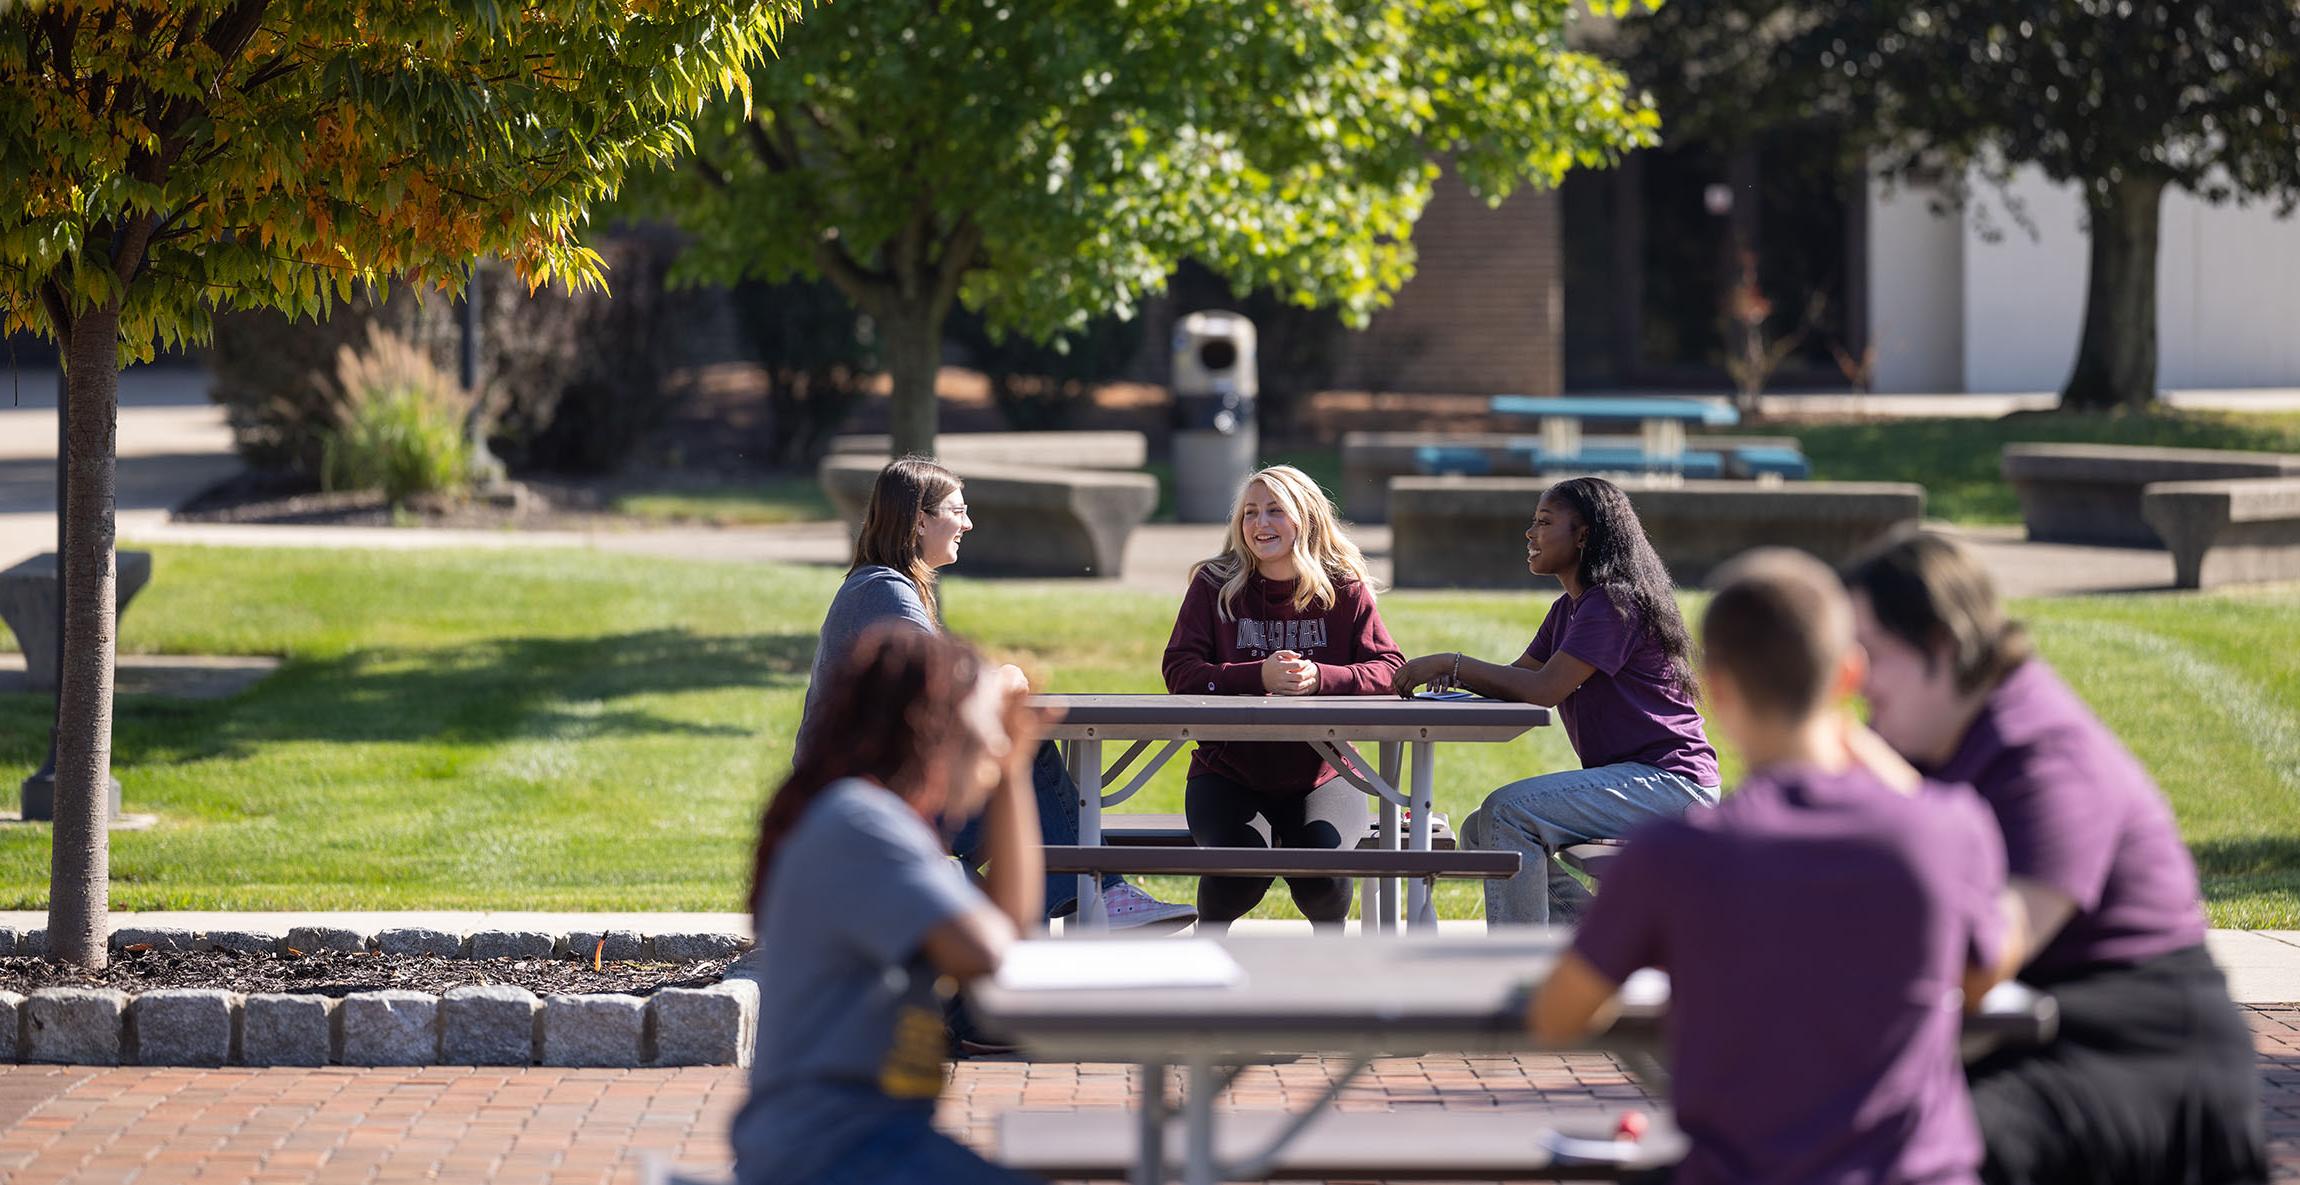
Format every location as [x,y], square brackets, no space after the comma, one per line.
[28,596]
[2240,531]
[2091,493]
[1076,450]
[1467,532]
[1371,459]
[1029,520]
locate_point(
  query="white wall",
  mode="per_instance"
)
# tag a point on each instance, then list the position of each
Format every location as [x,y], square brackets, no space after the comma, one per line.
[1916,286]
[2228,291]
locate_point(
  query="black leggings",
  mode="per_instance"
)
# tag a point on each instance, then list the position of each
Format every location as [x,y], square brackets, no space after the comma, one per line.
[1228,814]
[2152,1078]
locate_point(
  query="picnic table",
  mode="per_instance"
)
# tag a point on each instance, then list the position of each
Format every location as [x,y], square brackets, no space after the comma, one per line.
[1331,724]
[1660,420]
[1393,994]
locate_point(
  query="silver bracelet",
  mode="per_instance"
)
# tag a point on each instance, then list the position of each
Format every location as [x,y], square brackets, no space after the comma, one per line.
[1455,681]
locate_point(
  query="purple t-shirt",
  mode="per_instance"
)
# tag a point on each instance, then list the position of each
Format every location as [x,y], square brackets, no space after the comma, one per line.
[2080,815]
[1815,928]
[1632,709]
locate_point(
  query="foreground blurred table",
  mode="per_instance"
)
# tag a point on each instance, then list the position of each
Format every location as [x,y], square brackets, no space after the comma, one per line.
[1383,995]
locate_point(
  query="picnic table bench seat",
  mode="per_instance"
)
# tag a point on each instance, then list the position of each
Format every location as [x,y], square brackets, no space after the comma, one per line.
[1590,859]
[1458,864]
[1472,461]
[1351,1145]
[1768,460]
[1173,831]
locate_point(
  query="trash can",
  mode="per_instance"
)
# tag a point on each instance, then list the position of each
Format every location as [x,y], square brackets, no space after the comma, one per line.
[1215,441]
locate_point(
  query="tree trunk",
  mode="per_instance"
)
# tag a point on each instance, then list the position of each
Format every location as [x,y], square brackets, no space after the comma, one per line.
[80,864]
[913,345]
[2116,360]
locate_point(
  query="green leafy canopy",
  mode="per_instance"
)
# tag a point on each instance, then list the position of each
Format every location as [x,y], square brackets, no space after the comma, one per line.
[1053,160]
[179,158]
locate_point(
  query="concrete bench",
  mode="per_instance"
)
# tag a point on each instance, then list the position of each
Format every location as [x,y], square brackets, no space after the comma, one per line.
[1423,1145]
[1371,459]
[1075,450]
[2240,531]
[2091,493]
[1466,532]
[1173,831]
[1029,520]
[29,593]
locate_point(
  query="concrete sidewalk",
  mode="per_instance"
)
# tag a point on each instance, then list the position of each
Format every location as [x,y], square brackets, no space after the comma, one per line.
[172,444]
[2263,966]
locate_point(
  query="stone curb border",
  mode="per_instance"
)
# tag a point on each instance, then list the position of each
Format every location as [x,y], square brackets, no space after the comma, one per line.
[467,1026]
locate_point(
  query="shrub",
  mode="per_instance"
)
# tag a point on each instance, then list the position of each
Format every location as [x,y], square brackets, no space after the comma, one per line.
[400,423]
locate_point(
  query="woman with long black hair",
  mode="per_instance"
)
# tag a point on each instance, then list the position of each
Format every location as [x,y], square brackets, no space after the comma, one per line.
[1613,657]
[862,912]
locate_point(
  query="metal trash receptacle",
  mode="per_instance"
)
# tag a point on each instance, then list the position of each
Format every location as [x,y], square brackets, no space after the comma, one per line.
[1216,442]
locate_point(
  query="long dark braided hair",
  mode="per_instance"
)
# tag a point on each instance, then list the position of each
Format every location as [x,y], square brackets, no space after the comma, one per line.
[1620,559]
[893,708]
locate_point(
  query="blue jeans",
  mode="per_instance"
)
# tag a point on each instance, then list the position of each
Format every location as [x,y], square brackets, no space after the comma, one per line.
[1537,816]
[1057,797]
[908,1151]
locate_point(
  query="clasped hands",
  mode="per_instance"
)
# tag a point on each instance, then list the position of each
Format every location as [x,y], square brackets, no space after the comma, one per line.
[1288,673]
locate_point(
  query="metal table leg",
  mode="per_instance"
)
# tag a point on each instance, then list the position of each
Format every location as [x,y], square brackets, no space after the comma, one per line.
[1421,912]
[1150,1169]
[1085,757]
[1199,1167]
[1391,754]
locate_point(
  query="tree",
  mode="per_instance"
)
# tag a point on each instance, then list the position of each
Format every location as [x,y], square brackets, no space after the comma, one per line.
[1052,161]
[162,160]
[2119,99]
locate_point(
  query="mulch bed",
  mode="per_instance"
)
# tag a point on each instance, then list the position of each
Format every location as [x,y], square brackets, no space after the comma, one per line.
[278,499]
[329,974]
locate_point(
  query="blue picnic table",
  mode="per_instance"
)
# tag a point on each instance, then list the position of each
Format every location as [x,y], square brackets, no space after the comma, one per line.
[1661,425]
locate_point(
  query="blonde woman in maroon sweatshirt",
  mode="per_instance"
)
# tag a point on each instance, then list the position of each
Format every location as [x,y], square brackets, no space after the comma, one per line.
[1286,609]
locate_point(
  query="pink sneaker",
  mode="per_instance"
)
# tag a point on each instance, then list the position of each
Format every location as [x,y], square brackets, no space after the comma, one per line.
[1130,908]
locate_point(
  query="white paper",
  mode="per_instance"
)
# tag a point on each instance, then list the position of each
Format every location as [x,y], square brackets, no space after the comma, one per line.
[1058,965]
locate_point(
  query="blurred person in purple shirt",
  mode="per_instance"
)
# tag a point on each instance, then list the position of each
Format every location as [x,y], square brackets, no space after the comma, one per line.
[2151,1077]
[1612,658]
[1847,911]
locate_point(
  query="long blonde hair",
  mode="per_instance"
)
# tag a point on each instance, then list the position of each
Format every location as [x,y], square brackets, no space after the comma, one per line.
[1323,556]
[907,488]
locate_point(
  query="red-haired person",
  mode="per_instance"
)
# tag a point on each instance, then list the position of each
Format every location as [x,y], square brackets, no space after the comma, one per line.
[861,913]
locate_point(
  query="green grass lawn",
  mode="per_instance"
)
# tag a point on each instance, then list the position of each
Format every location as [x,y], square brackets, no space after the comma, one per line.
[1957,460]
[561,730]
[794,498]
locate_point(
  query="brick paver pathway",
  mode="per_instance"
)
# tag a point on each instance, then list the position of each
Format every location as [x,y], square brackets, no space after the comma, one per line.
[592,1127]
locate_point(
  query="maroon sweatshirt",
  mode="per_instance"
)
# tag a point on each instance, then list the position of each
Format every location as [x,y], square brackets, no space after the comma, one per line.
[1210,656]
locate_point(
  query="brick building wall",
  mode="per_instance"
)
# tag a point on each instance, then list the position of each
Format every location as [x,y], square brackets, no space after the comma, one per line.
[1485,311]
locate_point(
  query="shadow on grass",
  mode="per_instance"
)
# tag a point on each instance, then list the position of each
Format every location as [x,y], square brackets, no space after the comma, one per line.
[488,692]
